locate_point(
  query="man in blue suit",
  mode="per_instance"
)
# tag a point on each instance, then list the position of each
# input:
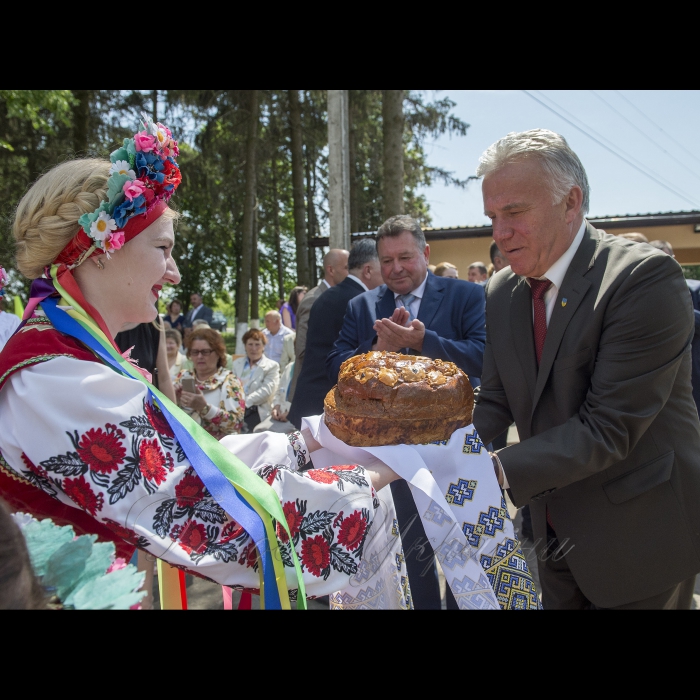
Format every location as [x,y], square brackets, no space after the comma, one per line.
[417,313]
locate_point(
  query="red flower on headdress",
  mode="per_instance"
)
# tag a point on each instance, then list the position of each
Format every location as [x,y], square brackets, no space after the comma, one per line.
[189,490]
[322,476]
[152,461]
[101,449]
[192,537]
[158,420]
[232,530]
[294,520]
[315,554]
[79,491]
[172,173]
[352,530]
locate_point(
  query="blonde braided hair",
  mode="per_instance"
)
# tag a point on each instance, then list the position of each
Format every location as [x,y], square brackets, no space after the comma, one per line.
[47,216]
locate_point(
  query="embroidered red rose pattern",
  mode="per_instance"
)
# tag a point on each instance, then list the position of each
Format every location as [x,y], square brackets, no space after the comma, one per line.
[153,461]
[157,420]
[192,536]
[294,520]
[102,450]
[79,491]
[315,554]
[322,476]
[189,490]
[352,531]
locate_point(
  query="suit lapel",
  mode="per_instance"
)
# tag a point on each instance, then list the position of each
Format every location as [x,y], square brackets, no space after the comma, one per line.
[523,336]
[433,294]
[573,289]
[385,304]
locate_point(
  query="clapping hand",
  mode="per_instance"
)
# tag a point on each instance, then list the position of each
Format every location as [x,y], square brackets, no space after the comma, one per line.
[395,333]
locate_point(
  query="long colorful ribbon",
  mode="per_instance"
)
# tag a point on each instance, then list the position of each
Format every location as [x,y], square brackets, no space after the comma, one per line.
[242,494]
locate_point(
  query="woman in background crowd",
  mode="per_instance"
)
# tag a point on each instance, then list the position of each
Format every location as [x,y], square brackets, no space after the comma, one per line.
[217,402]
[174,319]
[289,308]
[176,360]
[260,377]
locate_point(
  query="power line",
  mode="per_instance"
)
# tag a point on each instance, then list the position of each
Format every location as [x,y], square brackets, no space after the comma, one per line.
[607,148]
[616,148]
[644,134]
[682,146]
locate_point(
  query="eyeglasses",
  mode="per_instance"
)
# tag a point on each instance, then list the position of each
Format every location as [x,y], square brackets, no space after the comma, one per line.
[203,353]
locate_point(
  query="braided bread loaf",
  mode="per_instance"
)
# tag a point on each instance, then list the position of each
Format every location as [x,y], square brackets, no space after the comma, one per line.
[385,398]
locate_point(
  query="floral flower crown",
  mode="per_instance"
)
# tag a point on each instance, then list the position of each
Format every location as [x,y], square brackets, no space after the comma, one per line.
[143,174]
[4,279]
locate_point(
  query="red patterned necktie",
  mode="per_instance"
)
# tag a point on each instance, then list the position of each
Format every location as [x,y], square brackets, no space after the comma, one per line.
[539,289]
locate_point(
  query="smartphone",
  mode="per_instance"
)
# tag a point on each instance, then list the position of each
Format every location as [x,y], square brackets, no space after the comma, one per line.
[187,384]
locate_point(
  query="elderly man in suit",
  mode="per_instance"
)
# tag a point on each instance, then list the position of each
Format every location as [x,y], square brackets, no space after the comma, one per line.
[335,270]
[325,322]
[197,312]
[415,312]
[588,350]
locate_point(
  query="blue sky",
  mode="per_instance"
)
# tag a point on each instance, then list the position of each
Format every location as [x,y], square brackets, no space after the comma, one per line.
[670,152]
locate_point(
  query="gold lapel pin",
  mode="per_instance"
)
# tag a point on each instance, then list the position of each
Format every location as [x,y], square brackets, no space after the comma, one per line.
[563,302]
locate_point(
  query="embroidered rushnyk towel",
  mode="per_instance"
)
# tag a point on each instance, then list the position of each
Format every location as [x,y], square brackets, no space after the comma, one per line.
[463,512]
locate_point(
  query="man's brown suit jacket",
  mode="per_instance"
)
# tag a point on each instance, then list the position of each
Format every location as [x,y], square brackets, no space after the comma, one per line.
[609,432]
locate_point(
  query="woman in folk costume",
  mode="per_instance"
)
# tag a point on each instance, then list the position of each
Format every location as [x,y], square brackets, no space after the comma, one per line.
[88,440]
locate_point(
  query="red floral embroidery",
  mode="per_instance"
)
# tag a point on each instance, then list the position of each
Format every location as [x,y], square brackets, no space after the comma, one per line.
[79,491]
[39,471]
[294,520]
[153,462]
[157,420]
[271,476]
[124,532]
[322,476]
[352,531]
[232,530]
[315,554]
[189,490]
[192,537]
[249,556]
[101,449]
[345,467]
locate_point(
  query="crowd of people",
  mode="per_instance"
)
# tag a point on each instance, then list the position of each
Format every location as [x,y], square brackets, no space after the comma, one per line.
[589,350]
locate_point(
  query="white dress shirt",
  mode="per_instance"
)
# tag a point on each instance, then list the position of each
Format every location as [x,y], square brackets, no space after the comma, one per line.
[418,292]
[360,282]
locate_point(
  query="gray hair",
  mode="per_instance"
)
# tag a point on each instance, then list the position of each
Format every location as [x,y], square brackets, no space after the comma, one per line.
[396,225]
[361,253]
[561,165]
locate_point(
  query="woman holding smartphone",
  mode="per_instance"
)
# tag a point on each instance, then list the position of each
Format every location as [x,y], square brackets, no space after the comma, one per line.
[210,393]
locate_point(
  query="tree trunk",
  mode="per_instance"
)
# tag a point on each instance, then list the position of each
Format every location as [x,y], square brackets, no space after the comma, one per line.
[354,194]
[338,169]
[310,166]
[154,100]
[276,221]
[244,273]
[392,127]
[81,121]
[303,276]
[254,278]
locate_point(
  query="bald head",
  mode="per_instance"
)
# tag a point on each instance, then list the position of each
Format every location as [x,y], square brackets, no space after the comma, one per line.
[335,266]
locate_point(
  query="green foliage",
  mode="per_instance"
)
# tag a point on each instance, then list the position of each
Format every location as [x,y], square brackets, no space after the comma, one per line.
[40,128]
[691,272]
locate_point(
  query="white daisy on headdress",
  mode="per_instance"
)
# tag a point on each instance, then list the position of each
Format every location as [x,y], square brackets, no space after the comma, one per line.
[122,167]
[102,226]
[162,134]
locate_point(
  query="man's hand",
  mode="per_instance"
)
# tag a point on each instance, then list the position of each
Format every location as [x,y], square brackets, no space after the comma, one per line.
[278,415]
[393,337]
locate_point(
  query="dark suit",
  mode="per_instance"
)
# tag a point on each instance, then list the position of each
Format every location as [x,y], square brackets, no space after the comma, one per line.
[325,322]
[204,314]
[453,314]
[610,439]
[694,288]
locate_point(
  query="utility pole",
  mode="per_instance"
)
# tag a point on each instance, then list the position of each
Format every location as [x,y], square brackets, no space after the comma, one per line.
[339,168]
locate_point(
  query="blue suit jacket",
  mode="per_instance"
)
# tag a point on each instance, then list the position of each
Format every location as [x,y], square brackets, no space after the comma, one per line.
[453,314]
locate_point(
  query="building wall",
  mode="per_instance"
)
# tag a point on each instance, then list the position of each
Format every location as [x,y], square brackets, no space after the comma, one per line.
[464,251]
